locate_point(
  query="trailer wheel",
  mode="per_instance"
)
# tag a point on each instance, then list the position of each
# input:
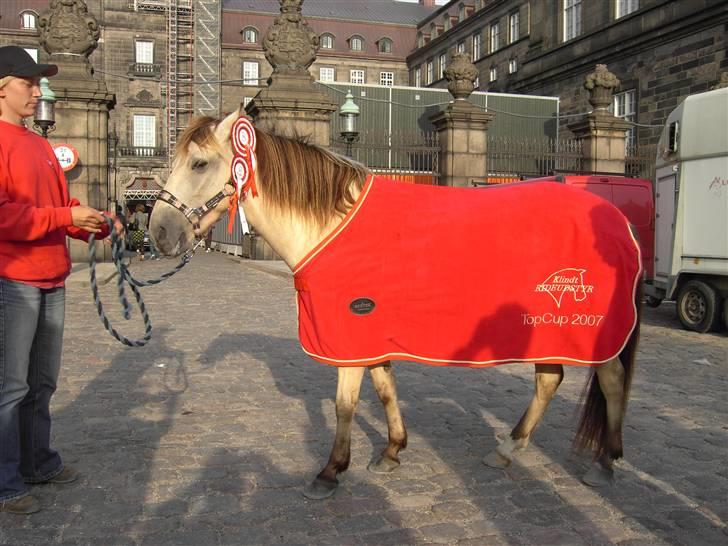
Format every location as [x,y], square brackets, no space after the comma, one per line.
[725,313]
[698,306]
[652,301]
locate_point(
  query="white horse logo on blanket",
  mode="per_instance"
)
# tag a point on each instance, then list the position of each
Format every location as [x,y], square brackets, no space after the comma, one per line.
[569,280]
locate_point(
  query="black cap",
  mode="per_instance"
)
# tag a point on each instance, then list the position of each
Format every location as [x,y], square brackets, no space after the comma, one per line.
[15,61]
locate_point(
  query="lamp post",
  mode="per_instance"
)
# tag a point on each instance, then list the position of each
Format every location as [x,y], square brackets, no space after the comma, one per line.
[349,111]
[45,112]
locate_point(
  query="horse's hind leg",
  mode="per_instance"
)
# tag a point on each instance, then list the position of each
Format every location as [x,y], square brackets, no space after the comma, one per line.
[347,397]
[611,383]
[383,379]
[548,379]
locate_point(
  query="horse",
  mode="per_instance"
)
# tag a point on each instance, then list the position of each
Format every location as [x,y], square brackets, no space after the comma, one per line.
[304,204]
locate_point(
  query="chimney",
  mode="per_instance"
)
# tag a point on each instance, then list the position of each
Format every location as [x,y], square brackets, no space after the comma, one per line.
[428,3]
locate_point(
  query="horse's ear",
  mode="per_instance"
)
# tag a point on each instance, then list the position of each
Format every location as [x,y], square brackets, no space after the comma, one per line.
[222,131]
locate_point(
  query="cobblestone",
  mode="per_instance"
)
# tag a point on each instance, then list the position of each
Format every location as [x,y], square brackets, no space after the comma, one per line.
[208,435]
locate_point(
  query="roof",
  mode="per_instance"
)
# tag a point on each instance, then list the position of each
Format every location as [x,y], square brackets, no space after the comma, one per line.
[375,11]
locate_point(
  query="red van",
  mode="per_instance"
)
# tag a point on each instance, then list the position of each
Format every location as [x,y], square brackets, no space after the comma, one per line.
[633,196]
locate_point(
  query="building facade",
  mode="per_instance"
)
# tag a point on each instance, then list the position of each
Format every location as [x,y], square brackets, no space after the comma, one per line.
[661,50]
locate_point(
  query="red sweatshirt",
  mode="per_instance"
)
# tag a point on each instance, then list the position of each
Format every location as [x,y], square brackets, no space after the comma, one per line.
[35,210]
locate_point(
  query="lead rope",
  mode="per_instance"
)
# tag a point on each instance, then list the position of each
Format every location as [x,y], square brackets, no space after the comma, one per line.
[124,275]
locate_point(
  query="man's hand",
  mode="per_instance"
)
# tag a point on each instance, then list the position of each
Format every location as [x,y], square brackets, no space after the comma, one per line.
[87,218]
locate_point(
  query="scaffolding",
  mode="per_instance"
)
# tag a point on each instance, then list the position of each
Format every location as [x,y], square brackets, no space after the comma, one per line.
[207,57]
[180,40]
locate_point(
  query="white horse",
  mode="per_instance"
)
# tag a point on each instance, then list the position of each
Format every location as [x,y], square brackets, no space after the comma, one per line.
[303,195]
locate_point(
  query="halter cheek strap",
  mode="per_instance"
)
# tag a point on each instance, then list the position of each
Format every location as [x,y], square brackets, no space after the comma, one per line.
[195,214]
[242,169]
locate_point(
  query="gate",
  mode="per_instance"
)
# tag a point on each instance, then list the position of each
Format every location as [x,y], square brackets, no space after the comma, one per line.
[510,159]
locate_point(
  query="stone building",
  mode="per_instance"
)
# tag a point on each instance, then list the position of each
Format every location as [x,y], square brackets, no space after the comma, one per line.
[661,51]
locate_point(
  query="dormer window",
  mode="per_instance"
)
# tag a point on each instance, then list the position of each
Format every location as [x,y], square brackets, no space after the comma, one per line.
[327,41]
[356,43]
[446,23]
[28,20]
[461,13]
[385,45]
[420,39]
[250,35]
[433,31]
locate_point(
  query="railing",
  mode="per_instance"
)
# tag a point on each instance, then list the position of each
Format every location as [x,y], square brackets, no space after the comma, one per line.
[640,161]
[512,159]
[142,151]
[149,70]
[409,157]
[156,5]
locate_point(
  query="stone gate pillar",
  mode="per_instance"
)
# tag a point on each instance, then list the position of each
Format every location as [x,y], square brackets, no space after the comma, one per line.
[291,105]
[602,134]
[462,128]
[70,34]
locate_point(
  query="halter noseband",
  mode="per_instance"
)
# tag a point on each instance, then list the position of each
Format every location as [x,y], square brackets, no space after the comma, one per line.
[195,214]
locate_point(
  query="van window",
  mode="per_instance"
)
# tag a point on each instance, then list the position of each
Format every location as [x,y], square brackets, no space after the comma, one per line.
[634,202]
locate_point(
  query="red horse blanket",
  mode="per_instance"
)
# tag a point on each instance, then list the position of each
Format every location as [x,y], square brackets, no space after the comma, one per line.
[537,272]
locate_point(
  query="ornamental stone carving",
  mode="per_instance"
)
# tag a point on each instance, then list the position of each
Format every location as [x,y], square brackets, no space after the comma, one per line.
[461,75]
[68,28]
[290,44]
[601,83]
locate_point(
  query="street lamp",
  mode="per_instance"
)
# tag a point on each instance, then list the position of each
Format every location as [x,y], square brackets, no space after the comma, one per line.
[45,112]
[349,111]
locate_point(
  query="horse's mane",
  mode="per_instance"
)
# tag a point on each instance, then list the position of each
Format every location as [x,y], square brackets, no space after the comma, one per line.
[293,175]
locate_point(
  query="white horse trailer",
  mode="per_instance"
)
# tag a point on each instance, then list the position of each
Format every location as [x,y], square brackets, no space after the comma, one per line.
[691,212]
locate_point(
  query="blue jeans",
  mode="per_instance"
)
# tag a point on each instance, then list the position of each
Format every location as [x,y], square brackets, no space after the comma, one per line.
[31,341]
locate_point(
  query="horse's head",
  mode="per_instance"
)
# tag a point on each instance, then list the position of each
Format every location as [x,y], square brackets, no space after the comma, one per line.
[200,171]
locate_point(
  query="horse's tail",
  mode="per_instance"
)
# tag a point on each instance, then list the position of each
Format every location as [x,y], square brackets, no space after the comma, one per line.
[593,432]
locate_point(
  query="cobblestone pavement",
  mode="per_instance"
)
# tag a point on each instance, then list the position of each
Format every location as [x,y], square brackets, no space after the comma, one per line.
[209,434]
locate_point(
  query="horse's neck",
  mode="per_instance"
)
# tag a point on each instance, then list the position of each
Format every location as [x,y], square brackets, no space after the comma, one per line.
[290,235]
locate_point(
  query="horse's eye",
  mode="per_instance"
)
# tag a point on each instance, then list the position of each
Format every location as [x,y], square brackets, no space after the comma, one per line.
[199,164]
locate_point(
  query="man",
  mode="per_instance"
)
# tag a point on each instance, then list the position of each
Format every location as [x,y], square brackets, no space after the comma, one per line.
[36,214]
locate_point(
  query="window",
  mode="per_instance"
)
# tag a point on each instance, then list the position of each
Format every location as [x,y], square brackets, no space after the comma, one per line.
[250,35]
[327,41]
[476,46]
[461,13]
[356,76]
[624,105]
[513,27]
[27,20]
[386,78]
[144,131]
[461,47]
[33,52]
[420,39]
[433,31]
[476,83]
[493,73]
[418,76]
[572,19]
[625,7]
[246,101]
[494,36]
[356,43]
[443,64]
[327,74]
[478,5]
[512,66]
[250,72]
[446,24]
[144,52]
[430,72]
[385,45]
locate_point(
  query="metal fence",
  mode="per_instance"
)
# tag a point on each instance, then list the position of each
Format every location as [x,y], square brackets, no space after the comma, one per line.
[640,161]
[511,159]
[404,156]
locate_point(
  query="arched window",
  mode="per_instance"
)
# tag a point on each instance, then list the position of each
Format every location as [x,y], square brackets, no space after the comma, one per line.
[27,20]
[356,43]
[327,41]
[250,35]
[385,45]
[433,31]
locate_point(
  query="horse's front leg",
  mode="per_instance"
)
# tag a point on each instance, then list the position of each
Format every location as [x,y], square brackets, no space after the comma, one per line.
[347,397]
[383,379]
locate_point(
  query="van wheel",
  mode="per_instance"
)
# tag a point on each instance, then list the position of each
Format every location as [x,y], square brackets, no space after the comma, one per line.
[697,306]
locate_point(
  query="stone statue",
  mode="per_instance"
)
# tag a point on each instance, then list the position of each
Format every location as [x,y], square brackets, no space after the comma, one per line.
[461,75]
[67,27]
[290,44]
[601,84]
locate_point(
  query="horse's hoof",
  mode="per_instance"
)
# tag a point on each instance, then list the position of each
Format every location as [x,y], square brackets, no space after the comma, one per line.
[384,465]
[495,460]
[599,476]
[320,489]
